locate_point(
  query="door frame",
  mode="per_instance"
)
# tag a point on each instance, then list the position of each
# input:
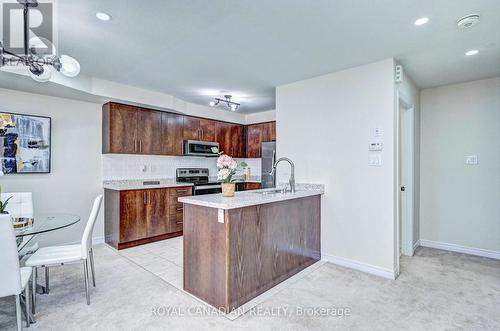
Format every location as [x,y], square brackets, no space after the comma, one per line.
[407,222]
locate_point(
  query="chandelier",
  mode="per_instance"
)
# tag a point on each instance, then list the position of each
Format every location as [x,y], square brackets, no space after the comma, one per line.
[227,101]
[39,65]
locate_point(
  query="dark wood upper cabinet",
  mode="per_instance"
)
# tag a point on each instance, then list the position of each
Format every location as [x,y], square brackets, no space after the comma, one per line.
[207,130]
[134,130]
[191,128]
[199,129]
[231,139]
[238,140]
[149,132]
[256,135]
[172,133]
[119,130]
[131,130]
[254,140]
[269,131]
[223,137]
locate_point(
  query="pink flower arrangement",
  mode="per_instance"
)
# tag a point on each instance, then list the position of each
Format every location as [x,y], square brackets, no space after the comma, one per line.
[227,168]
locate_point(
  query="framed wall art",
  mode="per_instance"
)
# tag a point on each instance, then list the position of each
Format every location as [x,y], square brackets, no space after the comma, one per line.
[24,143]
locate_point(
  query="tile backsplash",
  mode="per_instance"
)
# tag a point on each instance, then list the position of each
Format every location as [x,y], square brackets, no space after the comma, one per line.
[126,167]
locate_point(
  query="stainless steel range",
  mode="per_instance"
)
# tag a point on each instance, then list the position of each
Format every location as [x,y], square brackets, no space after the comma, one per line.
[198,177]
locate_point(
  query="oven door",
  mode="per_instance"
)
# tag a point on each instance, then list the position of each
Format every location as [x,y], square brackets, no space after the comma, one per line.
[207,189]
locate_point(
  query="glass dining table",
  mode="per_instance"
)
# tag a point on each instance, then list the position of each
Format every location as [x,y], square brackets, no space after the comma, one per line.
[43,223]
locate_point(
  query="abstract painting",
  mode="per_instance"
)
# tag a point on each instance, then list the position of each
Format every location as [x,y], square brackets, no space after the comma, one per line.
[24,143]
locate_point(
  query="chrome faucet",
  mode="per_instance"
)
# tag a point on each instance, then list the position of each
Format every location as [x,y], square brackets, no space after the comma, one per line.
[291,181]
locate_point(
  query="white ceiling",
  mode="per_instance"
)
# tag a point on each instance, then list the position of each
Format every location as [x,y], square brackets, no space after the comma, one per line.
[198,49]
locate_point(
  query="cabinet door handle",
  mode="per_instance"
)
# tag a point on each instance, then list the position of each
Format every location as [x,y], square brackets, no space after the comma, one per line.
[149,197]
[135,145]
[179,208]
[144,199]
[179,222]
[140,146]
[182,191]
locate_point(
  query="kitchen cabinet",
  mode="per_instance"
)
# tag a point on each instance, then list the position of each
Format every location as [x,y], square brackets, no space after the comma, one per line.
[256,135]
[156,202]
[135,217]
[252,186]
[172,127]
[199,129]
[207,130]
[119,129]
[149,132]
[238,140]
[132,216]
[131,130]
[191,128]
[231,138]
[134,130]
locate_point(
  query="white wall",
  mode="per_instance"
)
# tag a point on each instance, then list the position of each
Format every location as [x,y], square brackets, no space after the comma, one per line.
[261,117]
[460,204]
[324,125]
[75,179]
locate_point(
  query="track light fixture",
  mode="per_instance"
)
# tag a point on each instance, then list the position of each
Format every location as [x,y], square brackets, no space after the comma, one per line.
[227,100]
[39,65]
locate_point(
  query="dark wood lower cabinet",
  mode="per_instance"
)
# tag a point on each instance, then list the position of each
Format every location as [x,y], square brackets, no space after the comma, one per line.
[157,212]
[133,224]
[136,217]
[257,247]
[252,186]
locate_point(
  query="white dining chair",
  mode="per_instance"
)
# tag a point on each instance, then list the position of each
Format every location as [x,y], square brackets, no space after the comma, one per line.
[13,279]
[59,255]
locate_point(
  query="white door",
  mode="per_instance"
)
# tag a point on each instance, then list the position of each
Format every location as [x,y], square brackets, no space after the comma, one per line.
[405,178]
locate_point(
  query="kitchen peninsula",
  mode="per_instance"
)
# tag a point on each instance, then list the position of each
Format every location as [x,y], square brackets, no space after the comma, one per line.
[237,248]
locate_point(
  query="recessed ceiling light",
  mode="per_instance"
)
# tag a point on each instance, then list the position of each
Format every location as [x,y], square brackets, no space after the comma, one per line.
[472,52]
[422,21]
[103,16]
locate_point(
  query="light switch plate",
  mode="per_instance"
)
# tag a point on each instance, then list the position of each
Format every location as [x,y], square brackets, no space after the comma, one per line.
[375,160]
[375,146]
[471,159]
[378,132]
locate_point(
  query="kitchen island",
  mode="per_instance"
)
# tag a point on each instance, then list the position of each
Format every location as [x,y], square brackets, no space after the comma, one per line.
[237,248]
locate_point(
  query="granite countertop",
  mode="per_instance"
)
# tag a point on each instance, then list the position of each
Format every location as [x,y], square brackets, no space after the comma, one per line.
[252,198]
[138,184]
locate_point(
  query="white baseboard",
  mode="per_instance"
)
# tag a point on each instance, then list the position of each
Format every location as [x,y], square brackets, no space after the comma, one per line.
[361,266]
[95,241]
[415,246]
[460,249]
[98,240]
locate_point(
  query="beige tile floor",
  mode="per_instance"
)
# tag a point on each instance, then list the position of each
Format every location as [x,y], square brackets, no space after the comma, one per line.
[164,260]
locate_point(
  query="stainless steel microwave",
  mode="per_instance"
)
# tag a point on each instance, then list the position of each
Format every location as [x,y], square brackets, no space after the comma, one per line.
[201,148]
